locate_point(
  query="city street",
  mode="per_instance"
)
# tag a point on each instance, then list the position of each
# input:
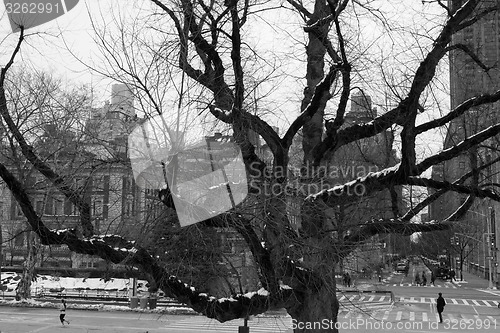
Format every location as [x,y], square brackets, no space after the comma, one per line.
[470,308]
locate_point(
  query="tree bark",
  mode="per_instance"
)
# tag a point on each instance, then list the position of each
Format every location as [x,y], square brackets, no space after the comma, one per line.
[23,290]
[317,313]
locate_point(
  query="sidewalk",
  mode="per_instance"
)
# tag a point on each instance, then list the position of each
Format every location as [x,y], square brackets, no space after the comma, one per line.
[471,281]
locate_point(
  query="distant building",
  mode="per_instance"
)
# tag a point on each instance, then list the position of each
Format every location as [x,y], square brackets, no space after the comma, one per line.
[468,79]
[97,165]
[358,159]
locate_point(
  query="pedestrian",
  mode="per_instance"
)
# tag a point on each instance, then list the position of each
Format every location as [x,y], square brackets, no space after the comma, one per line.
[348,276]
[433,278]
[452,275]
[417,279]
[344,278]
[63,312]
[424,280]
[440,303]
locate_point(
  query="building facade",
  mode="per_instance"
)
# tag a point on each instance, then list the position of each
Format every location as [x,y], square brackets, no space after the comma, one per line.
[468,78]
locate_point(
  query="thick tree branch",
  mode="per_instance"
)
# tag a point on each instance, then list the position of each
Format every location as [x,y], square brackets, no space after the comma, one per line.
[480,193]
[459,110]
[463,146]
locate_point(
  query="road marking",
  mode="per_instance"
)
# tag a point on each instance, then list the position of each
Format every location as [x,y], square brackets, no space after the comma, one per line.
[401,299]
[486,302]
[412,316]
[371,298]
[412,299]
[342,298]
[422,299]
[386,316]
[475,302]
[465,302]
[399,315]
[454,301]
[362,298]
[381,299]
[424,317]
[351,298]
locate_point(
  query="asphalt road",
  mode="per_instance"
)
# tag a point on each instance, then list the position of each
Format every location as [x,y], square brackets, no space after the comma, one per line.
[413,312]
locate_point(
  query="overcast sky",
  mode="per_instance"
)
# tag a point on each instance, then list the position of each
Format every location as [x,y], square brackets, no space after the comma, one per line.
[50,49]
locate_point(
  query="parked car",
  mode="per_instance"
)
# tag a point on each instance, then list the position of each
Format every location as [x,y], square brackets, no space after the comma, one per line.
[402,267]
[443,273]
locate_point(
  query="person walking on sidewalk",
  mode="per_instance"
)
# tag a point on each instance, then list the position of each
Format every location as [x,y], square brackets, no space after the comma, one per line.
[433,278]
[62,309]
[440,304]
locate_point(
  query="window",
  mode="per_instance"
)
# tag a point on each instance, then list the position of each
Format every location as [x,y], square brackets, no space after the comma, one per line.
[49,206]
[73,210]
[39,206]
[97,208]
[128,209]
[98,183]
[58,207]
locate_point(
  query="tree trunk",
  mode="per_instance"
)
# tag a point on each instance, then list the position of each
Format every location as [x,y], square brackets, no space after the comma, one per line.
[461,267]
[317,313]
[23,290]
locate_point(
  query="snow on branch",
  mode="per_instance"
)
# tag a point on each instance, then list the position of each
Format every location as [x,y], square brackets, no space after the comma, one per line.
[436,184]
[361,186]
[119,250]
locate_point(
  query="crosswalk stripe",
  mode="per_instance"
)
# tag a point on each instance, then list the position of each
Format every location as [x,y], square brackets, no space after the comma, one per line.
[352,298]
[342,298]
[426,286]
[399,315]
[454,301]
[491,319]
[486,303]
[496,303]
[386,316]
[401,299]
[424,316]
[465,302]
[475,302]
[412,299]
[371,298]
[362,298]
[412,316]
[422,299]
[381,299]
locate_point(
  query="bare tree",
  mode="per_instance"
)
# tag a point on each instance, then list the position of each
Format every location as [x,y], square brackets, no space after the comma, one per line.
[296,269]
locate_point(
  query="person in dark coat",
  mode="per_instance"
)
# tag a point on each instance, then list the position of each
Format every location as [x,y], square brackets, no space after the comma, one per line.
[433,278]
[440,304]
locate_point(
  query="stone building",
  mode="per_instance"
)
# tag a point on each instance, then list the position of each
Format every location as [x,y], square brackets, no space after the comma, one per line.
[358,159]
[105,179]
[468,78]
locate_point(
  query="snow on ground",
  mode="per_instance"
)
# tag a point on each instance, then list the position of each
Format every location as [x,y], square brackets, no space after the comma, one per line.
[96,307]
[47,282]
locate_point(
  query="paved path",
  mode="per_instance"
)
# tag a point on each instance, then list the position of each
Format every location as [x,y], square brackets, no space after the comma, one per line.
[414,319]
